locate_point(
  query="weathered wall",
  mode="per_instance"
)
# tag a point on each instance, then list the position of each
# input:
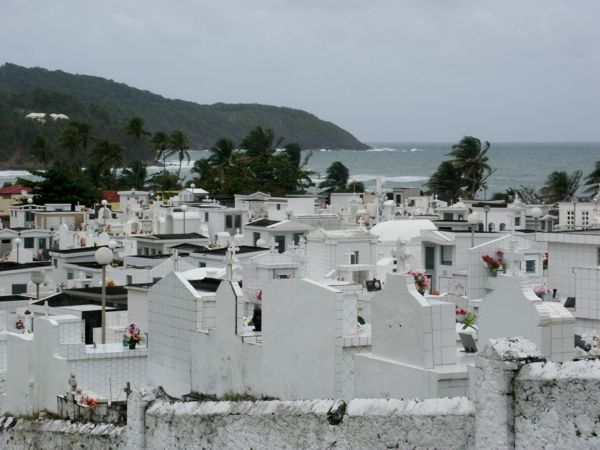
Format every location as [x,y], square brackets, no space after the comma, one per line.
[441,423]
[53,434]
[558,405]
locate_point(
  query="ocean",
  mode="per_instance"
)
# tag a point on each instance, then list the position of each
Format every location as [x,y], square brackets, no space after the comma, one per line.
[411,163]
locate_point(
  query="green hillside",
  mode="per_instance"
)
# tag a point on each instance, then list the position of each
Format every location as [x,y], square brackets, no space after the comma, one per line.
[106,105]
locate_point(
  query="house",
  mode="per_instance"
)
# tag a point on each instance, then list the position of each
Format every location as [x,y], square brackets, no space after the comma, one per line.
[16,278]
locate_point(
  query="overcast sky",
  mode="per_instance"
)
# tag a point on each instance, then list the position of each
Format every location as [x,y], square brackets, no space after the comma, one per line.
[385,70]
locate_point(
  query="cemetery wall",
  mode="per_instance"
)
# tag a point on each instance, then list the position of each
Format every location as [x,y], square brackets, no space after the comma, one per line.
[311,424]
[24,433]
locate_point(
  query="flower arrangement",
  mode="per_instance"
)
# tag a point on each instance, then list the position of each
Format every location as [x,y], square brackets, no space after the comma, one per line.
[469,320]
[20,325]
[460,314]
[110,283]
[88,401]
[496,264]
[542,290]
[132,335]
[421,281]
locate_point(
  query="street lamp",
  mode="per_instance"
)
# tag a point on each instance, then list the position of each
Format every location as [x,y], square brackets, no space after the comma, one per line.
[536,213]
[17,242]
[473,219]
[486,209]
[184,208]
[104,203]
[29,202]
[37,278]
[104,257]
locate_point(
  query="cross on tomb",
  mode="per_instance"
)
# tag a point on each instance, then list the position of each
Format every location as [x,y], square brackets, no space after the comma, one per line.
[514,257]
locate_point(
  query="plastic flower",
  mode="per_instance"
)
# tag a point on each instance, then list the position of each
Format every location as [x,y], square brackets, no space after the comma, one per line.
[132,334]
[421,281]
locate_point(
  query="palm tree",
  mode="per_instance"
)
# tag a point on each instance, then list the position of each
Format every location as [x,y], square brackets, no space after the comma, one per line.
[179,144]
[106,157]
[221,153]
[40,150]
[260,142]
[446,181]
[593,180]
[337,176]
[471,160]
[74,140]
[135,128]
[561,186]
[134,176]
[300,176]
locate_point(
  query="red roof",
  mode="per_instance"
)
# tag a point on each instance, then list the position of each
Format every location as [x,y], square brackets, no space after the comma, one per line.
[110,196]
[15,189]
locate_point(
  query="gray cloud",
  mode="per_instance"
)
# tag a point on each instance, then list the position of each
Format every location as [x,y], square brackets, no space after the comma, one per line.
[385,70]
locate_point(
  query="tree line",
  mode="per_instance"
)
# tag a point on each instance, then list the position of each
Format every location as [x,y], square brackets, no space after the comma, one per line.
[77,165]
[467,173]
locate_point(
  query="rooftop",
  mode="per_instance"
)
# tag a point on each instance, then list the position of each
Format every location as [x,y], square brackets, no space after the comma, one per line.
[175,237]
[11,265]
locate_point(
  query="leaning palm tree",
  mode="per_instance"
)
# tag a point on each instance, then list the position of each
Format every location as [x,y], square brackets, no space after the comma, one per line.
[560,186]
[160,144]
[592,181]
[337,177]
[40,150]
[470,158]
[260,142]
[446,181]
[179,145]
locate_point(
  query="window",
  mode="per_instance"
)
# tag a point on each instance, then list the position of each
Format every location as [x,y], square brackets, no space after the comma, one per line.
[446,251]
[502,227]
[448,216]
[598,257]
[55,262]
[297,237]
[280,241]
[6,241]
[154,251]
[517,221]
[585,218]
[278,206]
[19,289]
[354,257]
[29,242]
[238,221]
[570,217]
[228,221]
[129,279]
[70,275]
[201,264]
[41,243]
[146,251]
[530,266]
[206,217]
[255,237]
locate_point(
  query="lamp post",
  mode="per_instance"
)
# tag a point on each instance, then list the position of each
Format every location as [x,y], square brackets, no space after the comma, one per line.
[37,278]
[30,202]
[473,219]
[104,203]
[536,213]
[486,209]
[184,209]
[17,242]
[104,256]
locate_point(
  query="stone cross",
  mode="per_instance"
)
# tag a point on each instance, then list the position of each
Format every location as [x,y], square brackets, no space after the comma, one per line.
[514,257]
[402,255]
[229,261]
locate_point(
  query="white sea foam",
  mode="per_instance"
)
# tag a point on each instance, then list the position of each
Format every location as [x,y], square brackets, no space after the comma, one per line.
[414,149]
[384,149]
[395,179]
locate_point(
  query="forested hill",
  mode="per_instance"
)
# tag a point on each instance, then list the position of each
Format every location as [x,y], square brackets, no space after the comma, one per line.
[106,105]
